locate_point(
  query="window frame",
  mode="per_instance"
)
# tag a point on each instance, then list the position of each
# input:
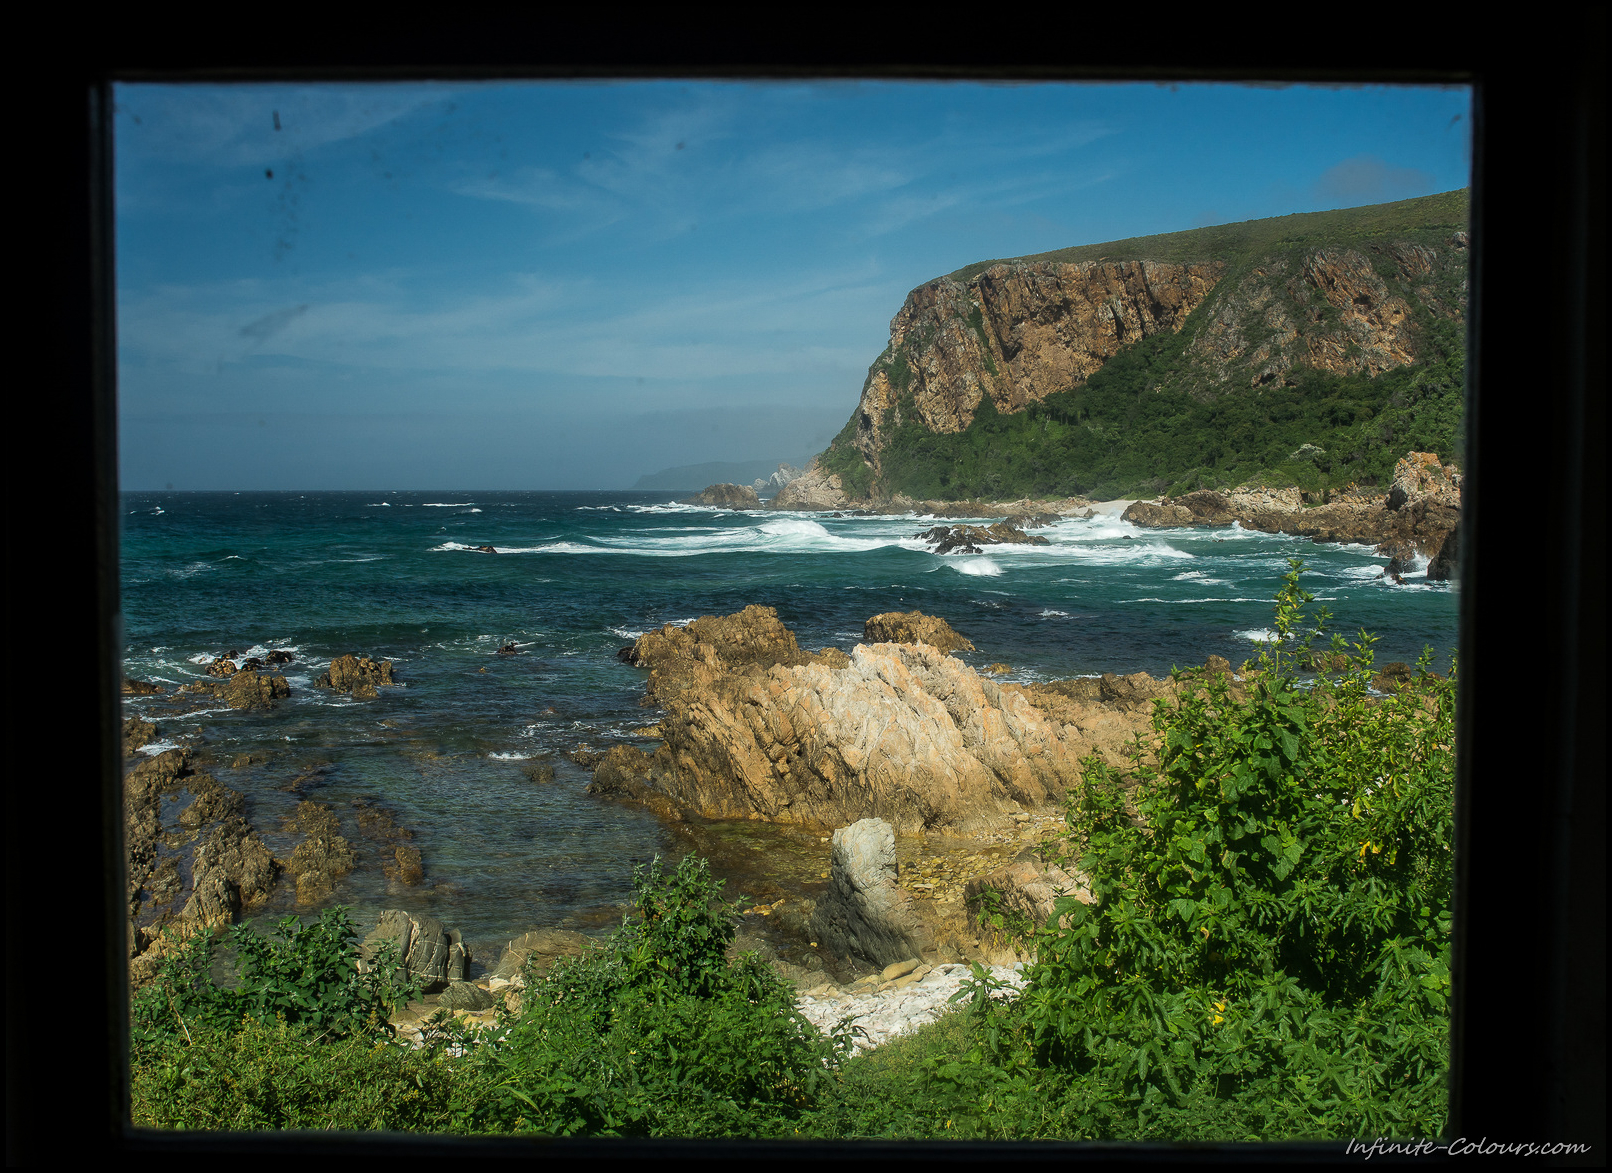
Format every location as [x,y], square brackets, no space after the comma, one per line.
[1528,1018]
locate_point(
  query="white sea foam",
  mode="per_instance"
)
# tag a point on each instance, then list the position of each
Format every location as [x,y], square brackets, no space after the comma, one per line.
[624,633]
[380,504]
[1259,635]
[978,566]
[155,747]
[202,658]
[1198,576]
[510,757]
[1049,613]
[445,504]
[775,535]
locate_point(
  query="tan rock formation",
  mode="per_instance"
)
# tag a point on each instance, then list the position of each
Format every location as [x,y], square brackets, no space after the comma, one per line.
[815,489]
[901,732]
[358,675]
[914,627]
[323,857]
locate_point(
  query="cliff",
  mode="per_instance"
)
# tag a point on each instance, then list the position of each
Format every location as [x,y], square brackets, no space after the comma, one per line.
[1193,360]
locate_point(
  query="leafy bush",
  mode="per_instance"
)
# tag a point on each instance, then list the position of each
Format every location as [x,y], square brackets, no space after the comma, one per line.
[304,975]
[658,1033]
[273,1075]
[1268,952]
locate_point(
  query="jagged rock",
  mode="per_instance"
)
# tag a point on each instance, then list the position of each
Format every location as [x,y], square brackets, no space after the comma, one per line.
[1393,676]
[1153,515]
[140,687]
[914,627]
[357,675]
[967,539]
[137,733]
[279,656]
[902,732]
[586,755]
[1015,333]
[1420,476]
[1138,690]
[543,947]
[726,496]
[466,996]
[1023,521]
[815,489]
[866,915]
[401,860]
[222,667]
[427,951]
[323,857]
[253,690]
[233,872]
[212,801]
[752,638]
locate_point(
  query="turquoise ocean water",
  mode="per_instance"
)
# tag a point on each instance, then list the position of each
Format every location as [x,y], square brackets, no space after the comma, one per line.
[577,577]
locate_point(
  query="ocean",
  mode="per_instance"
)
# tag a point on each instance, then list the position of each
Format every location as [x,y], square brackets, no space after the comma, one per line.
[578,576]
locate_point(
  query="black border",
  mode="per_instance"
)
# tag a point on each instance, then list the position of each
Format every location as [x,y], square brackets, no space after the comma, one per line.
[1529,1055]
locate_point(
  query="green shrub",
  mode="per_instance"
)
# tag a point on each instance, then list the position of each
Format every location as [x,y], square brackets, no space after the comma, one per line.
[658,1033]
[304,975]
[273,1075]
[1268,952]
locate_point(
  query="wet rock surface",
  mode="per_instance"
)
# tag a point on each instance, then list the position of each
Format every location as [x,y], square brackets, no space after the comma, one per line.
[324,855]
[970,539]
[726,496]
[1419,515]
[359,676]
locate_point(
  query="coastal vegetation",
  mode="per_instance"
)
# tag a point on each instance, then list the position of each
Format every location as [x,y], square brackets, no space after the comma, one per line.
[1265,956]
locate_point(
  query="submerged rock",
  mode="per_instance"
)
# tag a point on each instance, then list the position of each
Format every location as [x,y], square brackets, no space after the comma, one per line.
[323,857]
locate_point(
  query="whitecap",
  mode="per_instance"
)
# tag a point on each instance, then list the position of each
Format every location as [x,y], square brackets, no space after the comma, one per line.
[978,566]
[155,747]
[1259,635]
[624,633]
[1049,613]
[510,757]
[380,505]
[445,504]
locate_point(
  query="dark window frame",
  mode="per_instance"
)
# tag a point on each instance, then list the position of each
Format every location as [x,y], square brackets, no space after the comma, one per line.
[1528,1055]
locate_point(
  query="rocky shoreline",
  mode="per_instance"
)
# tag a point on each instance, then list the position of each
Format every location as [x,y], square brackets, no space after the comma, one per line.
[1418,515]
[934,792]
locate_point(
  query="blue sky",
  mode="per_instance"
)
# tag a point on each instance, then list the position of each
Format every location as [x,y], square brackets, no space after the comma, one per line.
[569,285]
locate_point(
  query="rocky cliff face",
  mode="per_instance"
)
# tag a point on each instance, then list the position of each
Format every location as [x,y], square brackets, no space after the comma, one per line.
[1016,333]
[1364,293]
[1330,309]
